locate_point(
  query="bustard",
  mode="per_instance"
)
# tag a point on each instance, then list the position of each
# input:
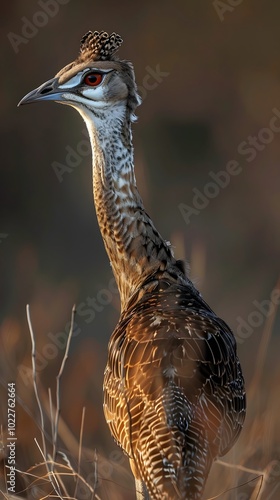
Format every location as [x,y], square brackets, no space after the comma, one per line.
[174,394]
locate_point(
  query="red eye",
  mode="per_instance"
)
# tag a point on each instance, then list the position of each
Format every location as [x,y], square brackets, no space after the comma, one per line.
[93,79]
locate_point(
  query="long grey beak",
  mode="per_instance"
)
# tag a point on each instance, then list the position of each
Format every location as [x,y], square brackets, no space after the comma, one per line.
[49,91]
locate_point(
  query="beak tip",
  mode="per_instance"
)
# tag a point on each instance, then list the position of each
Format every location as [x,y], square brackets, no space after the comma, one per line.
[45,92]
[26,99]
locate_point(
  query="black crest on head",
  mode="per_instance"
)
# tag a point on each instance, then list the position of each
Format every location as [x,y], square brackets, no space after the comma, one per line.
[99,46]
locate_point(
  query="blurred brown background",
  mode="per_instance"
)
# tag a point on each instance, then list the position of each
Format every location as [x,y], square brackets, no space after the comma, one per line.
[209,76]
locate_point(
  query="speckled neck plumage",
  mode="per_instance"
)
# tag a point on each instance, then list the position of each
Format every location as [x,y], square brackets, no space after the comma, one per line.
[134,246]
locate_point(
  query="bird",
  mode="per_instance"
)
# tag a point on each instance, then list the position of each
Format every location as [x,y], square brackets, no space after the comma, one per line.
[174,393]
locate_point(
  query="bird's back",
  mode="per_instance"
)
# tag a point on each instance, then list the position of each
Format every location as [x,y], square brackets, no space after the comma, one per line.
[174,392]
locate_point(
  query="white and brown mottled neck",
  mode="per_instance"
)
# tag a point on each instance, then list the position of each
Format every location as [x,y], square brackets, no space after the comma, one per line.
[134,246]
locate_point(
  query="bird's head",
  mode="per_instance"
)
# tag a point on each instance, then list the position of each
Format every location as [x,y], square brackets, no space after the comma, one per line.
[97,81]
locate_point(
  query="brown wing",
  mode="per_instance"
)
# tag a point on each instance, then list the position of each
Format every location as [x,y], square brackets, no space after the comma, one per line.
[174,396]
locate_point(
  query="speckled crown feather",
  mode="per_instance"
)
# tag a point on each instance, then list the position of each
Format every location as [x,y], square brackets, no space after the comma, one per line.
[99,46]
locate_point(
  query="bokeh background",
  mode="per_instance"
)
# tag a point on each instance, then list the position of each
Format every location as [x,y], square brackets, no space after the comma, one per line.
[209,76]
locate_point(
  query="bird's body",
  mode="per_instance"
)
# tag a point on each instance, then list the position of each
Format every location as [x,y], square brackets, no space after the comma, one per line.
[173,389]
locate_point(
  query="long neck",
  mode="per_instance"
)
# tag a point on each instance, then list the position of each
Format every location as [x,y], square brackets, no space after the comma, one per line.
[135,248]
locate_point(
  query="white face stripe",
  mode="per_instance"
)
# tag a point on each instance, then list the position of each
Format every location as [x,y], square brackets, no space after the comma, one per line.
[76,80]
[96,101]
[73,82]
